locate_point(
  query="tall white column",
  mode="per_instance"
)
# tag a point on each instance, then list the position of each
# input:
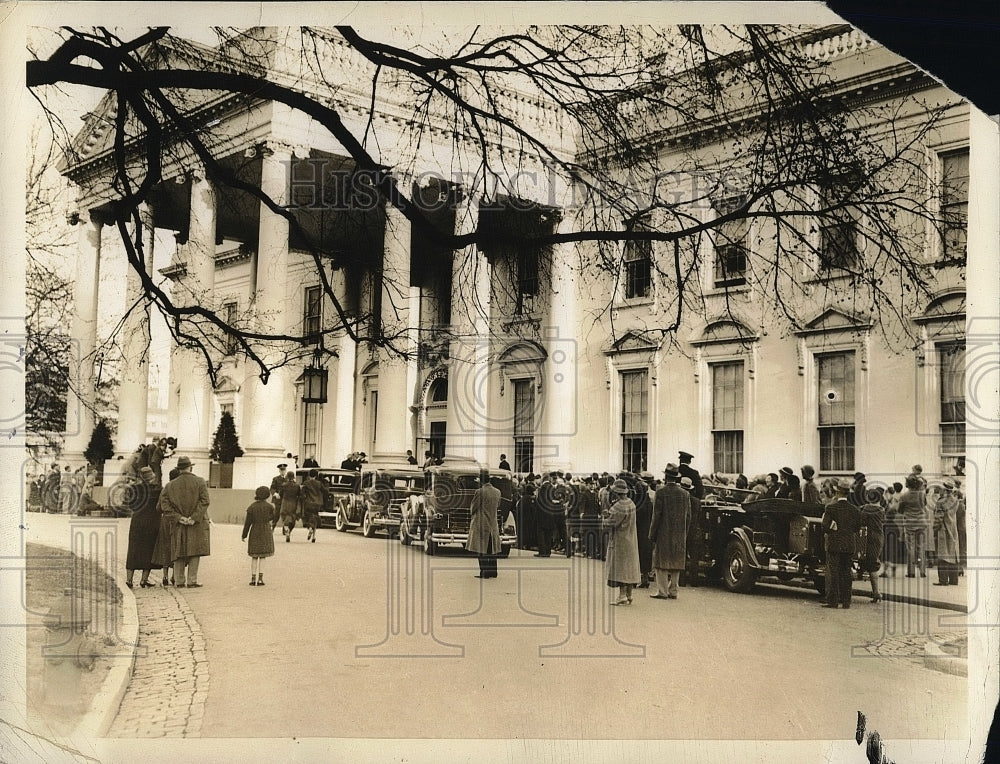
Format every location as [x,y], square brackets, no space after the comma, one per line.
[559,407]
[81,398]
[469,371]
[194,401]
[393,414]
[133,390]
[265,406]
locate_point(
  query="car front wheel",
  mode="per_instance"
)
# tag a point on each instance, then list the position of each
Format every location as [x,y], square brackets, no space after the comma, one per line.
[404,536]
[737,573]
[340,522]
[367,528]
[430,547]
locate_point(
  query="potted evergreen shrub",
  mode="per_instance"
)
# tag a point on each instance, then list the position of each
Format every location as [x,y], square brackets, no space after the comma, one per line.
[100,449]
[225,449]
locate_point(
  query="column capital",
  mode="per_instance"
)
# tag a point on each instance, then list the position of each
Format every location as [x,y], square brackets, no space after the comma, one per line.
[95,216]
[273,146]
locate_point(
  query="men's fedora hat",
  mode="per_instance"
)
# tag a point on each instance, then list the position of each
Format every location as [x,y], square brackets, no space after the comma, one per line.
[183,463]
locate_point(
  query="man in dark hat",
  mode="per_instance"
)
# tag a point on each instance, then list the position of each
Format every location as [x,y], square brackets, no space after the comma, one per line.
[668,531]
[187,495]
[686,470]
[841,523]
[504,464]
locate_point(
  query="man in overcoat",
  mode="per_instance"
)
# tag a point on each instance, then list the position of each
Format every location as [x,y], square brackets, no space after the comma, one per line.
[277,482]
[668,532]
[841,523]
[484,533]
[696,536]
[187,496]
[313,497]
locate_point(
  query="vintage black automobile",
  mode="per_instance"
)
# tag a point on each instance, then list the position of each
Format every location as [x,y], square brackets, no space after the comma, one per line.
[377,498]
[767,537]
[441,514]
[339,483]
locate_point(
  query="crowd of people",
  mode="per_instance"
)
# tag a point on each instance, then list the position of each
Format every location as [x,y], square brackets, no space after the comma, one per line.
[645,529]
[879,527]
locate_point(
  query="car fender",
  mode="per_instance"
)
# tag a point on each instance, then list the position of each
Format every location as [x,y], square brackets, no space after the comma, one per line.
[740,534]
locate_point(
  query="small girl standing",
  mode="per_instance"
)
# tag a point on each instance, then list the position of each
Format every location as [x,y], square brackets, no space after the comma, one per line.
[258,527]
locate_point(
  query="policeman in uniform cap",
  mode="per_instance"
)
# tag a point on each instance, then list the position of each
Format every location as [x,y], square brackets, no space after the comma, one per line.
[686,470]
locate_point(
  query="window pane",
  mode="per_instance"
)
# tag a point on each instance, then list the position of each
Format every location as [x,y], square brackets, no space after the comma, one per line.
[634,402]
[312,311]
[638,269]
[634,453]
[727,396]
[310,419]
[524,407]
[951,360]
[524,454]
[835,373]
[728,451]
[836,449]
[955,202]
[730,265]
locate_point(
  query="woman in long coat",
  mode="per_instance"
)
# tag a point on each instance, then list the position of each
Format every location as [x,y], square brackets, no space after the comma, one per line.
[873,523]
[143,529]
[258,527]
[622,562]
[946,534]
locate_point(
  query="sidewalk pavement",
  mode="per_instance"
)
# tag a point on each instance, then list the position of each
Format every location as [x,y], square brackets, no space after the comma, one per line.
[161,688]
[170,685]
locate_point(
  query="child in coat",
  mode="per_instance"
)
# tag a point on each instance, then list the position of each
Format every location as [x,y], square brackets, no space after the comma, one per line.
[258,528]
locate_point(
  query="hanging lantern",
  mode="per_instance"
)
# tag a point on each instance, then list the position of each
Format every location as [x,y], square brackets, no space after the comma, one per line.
[314,381]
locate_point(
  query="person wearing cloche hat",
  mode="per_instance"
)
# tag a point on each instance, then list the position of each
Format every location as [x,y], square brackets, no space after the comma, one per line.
[622,560]
[841,523]
[668,531]
[143,529]
[789,488]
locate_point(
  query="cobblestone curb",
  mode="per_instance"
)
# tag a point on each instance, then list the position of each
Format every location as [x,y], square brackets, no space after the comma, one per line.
[105,704]
[937,659]
[169,686]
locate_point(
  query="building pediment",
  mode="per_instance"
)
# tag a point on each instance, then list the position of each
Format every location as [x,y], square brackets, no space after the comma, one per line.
[523,352]
[833,320]
[949,306]
[725,330]
[634,342]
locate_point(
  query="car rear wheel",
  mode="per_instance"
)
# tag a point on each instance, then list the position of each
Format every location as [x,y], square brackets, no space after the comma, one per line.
[367,528]
[340,522]
[737,573]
